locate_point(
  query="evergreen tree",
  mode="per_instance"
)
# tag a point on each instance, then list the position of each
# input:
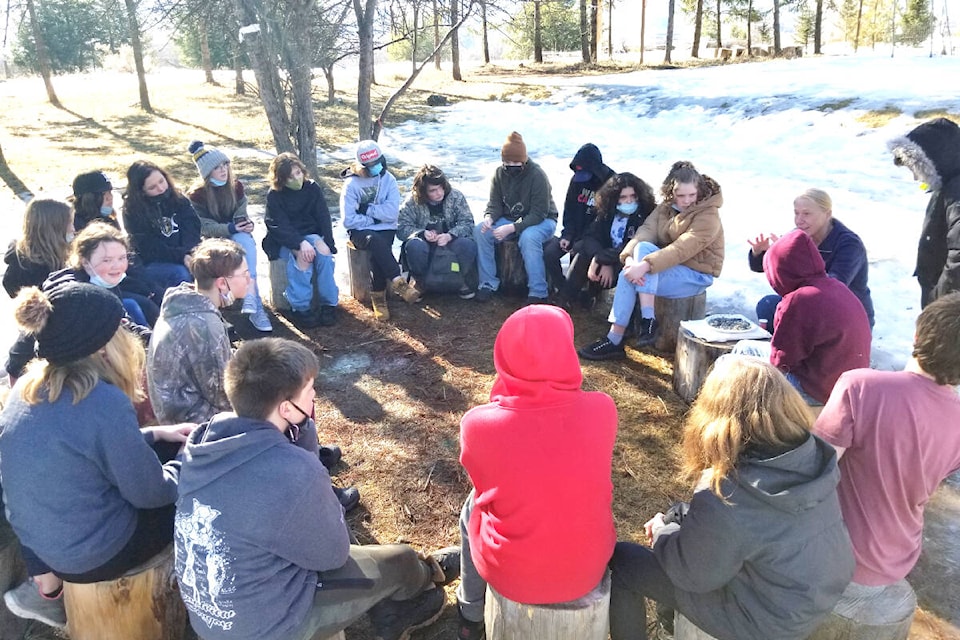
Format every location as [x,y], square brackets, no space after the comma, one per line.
[76,32]
[917,22]
[559,24]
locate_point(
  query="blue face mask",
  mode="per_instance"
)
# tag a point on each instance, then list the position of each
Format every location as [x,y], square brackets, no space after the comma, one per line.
[106,211]
[217,183]
[100,282]
[375,169]
[627,208]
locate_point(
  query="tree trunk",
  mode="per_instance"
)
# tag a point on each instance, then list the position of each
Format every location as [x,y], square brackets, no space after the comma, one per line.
[610,28]
[593,30]
[750,28]
[670,12]
[455,40]
[719,26]
[537,33]
[331,92]
[856,38]
[301,80]
[584,33]
[205,60]
[135,41]
[643,28]
[697,22]
[776,27]
[365,15]
[415,35]
[239,87]
[486,40]
[43,57]
[818,27]
[436,34]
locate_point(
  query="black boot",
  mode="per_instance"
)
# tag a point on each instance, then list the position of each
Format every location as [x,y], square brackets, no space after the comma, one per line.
[646,332]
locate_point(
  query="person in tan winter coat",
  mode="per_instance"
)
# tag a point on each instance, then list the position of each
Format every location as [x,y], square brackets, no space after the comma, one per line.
[675,254]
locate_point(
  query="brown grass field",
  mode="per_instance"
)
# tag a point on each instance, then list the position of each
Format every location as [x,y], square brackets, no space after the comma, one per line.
[391,395]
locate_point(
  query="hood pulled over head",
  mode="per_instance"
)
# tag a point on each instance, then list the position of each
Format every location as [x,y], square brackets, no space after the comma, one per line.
[931,151]
[793,262]
[535,356]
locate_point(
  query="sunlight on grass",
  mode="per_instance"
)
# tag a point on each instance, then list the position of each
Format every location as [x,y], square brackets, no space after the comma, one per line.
[876,118]
[929,114]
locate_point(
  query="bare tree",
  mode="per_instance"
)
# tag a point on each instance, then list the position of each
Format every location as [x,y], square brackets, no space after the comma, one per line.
[365,11]
[43,56]
[455,40]
[818,27]
[584,33]
[610,28]
[205,60]
[776,27]
[856,38]
[436,34]
[643,28]
[697,27]
[593,29]
[670,11]
[239,86]
[486,39]
[537,32]
[137,44]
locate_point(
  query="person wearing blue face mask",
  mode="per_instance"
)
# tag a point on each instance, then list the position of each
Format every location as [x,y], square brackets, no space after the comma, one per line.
[622,205]
[221,204]
[93,200]
[370,205]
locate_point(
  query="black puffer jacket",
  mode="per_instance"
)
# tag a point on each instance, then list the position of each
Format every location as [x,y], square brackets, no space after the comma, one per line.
[932,152]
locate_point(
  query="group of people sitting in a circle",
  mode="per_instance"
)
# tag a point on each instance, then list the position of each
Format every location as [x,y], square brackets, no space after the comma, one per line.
[789,518]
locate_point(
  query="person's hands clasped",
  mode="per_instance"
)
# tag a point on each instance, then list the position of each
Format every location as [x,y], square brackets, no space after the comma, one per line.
[762,242]
[503,231]
[635,271]
[486,224]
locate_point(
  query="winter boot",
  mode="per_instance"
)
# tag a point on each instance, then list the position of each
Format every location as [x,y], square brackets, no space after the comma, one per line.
[379,301]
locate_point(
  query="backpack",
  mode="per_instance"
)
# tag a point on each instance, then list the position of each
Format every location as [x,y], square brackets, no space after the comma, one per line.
[444,273]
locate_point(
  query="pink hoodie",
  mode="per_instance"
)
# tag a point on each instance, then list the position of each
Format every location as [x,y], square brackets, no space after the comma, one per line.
[539,455]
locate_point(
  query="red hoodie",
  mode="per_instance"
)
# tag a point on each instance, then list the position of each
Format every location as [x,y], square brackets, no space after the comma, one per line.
[820,328]
[539,455]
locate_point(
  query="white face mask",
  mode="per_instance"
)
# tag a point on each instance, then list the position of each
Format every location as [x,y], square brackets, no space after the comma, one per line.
[70,236]
[227,298]
[100,282]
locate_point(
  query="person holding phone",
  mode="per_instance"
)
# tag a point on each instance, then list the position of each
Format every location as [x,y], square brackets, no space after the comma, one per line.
[221,203]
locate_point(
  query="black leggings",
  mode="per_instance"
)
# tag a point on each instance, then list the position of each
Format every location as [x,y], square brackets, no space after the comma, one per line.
[379,245]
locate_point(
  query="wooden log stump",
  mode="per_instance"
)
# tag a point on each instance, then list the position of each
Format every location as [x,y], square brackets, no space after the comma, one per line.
[694,357]
[670,311]
[683,629]
[510,269]
[12,573]
[144,604]
[278,284]
[586,618]
[726,53]
[358,266]
[887,616]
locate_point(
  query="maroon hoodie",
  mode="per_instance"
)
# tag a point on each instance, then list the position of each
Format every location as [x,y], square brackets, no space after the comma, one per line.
[539,455]
[820,328]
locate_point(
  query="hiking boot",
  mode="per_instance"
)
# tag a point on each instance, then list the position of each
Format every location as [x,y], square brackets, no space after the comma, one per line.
[378,299]
[330,455]
[260,320]
[395,619]
[349,498]
[26,601]
[484,295]
[466,293]
[602,349]
[646,332]
[327,316]
[407,291]
[445,564]
[304,319]
[468,629]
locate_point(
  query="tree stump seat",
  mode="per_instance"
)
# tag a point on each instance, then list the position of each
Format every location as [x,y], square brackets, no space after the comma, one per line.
[586,618]
[671,311]
[278,284]
[510,269]
[358,266]
[144,603]
[887,615]
[694,357]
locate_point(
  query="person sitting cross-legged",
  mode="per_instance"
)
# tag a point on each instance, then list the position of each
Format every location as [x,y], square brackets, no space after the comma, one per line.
[262,549]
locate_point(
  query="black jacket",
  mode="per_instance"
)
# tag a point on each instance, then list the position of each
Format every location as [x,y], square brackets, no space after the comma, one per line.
[166,231]
[578,205]
[292,215]
[22,273]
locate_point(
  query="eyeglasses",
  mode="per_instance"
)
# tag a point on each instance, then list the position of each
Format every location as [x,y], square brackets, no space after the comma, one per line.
[242,274]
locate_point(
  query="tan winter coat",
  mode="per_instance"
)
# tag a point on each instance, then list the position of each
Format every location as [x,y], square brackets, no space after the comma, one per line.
[693,238]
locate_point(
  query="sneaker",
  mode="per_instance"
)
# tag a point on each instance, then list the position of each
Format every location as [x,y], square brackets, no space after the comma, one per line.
[330,455]
[349,498]
[395,619]
[483,295]
[446,565]
[602,349]
[260,320]
[26,601]
[466,293]
[327,316]
[469,630]
[646,332]
[250,304]
[304,319]
[407,291]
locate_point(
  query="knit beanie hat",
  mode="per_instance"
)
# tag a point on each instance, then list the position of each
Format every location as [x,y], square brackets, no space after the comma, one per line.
[206,158]
[93,182]
[368,153]
[70,321]
[514,150]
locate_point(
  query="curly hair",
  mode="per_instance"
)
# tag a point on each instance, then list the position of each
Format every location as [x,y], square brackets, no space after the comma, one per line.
[609,195]
[937,343]
[683,172]
[281,168]
[429,176]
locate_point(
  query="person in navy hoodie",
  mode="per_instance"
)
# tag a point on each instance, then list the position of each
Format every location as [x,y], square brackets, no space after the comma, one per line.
[262,549]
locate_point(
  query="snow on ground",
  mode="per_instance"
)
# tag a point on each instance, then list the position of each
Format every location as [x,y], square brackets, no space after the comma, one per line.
[766,132]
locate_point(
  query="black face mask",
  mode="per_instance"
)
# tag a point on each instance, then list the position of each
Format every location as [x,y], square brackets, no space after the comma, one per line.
[513,170]
[158,199]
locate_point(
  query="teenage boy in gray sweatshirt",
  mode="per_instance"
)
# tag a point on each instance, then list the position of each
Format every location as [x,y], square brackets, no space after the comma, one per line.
[262,549]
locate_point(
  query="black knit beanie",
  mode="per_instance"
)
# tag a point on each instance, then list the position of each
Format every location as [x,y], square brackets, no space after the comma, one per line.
[75,320]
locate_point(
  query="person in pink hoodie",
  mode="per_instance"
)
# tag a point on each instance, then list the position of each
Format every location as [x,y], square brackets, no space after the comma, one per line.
[538,525]
[820,329]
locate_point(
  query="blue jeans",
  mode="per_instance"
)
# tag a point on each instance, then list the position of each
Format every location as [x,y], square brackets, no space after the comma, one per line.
[167,274]
[676,282]
[473,589]
[767,307]
[531,248]
[299,291]
[135,312]
[249,245]
[418,254]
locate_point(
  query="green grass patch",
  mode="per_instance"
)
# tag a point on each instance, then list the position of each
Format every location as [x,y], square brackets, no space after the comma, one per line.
[836,105]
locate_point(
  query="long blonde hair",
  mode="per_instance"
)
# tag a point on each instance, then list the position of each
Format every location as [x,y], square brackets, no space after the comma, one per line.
[119,363]
[44,238]
[744,401]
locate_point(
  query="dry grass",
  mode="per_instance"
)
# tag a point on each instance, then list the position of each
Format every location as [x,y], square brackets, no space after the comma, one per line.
[876,118]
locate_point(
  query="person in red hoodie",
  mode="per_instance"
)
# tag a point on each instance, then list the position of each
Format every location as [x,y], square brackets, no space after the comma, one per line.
[538,525]
[820,329]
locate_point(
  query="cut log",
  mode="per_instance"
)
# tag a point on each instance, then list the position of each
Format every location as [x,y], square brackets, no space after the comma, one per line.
[670,311]
[278,284]
[510,269]
[144,604]
[886,616]
[358,266]
[584,619]
[693,360]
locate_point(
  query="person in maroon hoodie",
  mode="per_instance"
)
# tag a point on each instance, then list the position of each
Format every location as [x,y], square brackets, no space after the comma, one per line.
[820,329]
[538,525]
